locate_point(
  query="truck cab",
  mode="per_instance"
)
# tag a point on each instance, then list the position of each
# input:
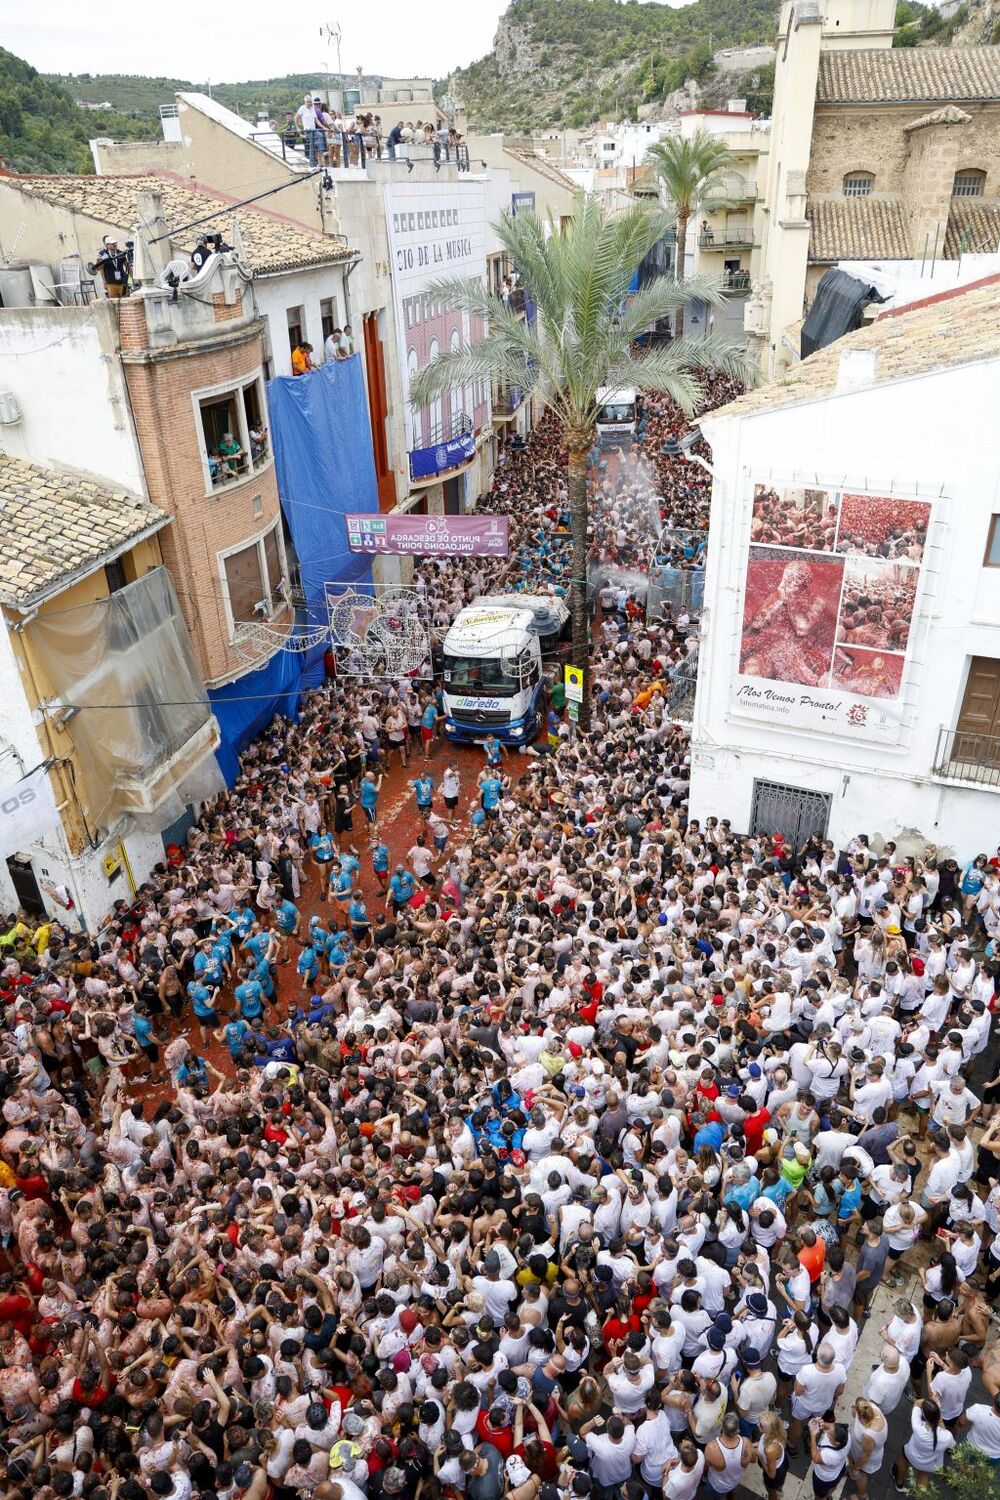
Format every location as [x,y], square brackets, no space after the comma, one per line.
[492,667]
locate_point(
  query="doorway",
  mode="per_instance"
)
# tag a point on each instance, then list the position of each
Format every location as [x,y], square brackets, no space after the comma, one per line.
[795,812]
[454,491]
[26,888]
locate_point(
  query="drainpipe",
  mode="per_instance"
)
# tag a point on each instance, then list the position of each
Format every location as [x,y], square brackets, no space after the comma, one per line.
[348,273]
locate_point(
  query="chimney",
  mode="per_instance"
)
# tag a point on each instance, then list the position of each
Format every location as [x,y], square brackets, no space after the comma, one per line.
[856,370]
[151,226]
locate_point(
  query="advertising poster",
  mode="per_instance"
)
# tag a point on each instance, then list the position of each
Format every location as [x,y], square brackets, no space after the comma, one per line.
[429,536]
[830,596]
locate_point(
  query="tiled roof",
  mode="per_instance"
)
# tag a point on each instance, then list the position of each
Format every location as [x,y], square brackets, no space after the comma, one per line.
[270,242]
[957,328]
[973,228]
[908,75]
[857,229]
[542,165]
[58,526]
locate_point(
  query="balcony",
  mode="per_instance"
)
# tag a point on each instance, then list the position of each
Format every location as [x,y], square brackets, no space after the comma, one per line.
[737,189]
[450,445]
[507,402]
[736,283]
[962,755]
[731,239]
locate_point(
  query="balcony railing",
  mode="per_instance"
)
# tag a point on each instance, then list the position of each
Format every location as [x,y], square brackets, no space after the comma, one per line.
[733,189]
[506,402]
[966,756]
[736,281]
[731,239]
[228,470]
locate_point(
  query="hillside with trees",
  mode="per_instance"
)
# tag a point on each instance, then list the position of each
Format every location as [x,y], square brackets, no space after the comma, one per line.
[570,62]
[42,129]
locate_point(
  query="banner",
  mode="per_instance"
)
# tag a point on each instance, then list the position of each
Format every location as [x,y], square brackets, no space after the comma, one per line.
[830,594]
[425,462]
[429,536]
[27,810]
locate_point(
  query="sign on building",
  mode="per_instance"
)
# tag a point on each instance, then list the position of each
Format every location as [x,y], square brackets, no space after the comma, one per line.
[831,587]
[429,536]
[522,203]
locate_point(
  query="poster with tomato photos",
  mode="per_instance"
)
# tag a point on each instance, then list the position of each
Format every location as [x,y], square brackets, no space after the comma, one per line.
[832,583]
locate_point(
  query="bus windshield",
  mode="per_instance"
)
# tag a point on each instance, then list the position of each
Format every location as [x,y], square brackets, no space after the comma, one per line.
[479,674]
[617,412]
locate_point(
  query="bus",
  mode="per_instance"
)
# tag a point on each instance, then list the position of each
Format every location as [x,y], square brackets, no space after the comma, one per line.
[616,415]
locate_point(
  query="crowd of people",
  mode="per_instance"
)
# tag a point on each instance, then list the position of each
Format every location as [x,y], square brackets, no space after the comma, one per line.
[562,1155]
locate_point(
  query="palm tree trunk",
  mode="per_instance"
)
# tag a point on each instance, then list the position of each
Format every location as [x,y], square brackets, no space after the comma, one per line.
[682,233]
[578,453]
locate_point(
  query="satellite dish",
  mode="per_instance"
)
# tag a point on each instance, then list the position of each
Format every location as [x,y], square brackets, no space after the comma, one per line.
[174,272]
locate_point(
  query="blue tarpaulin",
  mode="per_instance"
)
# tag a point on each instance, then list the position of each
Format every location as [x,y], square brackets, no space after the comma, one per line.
[325,466]
[323,458]
[245,706]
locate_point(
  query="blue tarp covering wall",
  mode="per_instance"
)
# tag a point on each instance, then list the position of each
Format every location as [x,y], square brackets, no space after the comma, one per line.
[244,707]
[322,444]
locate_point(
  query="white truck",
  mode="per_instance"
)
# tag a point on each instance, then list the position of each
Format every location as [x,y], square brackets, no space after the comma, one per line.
[492,665]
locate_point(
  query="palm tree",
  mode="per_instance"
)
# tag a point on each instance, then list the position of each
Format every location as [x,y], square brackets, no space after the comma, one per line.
[582,338]
[693,174]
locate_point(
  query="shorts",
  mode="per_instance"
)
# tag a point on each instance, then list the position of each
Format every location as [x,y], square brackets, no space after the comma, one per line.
[824,1487]
[210,1018]
[451,803]
[491,812]
[776,1485]
[426,734]
[358,933]
[369,813]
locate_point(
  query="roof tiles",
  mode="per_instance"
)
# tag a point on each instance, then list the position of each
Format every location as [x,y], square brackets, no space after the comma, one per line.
[57,526]
[857,229]
[958,328]
[908,75]
[270,243]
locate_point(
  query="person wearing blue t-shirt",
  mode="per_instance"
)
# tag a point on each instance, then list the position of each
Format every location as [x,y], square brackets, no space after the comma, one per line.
[423,786]
[307,965]
[368,796]
[260,945]
[493,750]
[341,883]
[249,997]
[262,973]
[234,1034]
[142,1027]
[205,1013]
[243,921]
[357,915]
[490,790]
[428,719]
[380,864]
[401,888]
[321,847]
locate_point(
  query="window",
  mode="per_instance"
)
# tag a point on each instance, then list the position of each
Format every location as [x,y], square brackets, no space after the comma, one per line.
[233,430]
[858,184]
[255,583]
[114,574]
[969,183]
[296,324]
[328,315]
[992,558]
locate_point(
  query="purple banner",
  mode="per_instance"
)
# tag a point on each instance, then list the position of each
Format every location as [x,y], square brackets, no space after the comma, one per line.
[429,536]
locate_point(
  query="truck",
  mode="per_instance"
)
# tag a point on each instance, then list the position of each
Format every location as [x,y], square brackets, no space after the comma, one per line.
[617,412]
[492,665]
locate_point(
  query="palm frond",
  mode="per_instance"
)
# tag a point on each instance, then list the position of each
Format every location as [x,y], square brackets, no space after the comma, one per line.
[487,360]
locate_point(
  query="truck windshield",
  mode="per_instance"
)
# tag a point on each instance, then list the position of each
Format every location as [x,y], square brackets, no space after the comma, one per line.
[479,674]
[616,413]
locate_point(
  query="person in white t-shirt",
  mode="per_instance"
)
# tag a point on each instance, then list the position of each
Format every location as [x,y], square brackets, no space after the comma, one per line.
[983,1430]
[817,1389]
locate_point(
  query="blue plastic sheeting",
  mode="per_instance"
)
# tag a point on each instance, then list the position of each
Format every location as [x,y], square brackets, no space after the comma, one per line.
[244,707]
[325,466]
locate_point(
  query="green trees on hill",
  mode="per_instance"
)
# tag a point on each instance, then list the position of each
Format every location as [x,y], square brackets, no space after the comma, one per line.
[600,58]
[43,130]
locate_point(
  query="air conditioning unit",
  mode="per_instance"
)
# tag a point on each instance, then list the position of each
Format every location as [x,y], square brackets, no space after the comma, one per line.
[10,412]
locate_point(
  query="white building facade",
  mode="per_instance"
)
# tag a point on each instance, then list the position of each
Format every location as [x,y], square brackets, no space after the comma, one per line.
[849,678]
